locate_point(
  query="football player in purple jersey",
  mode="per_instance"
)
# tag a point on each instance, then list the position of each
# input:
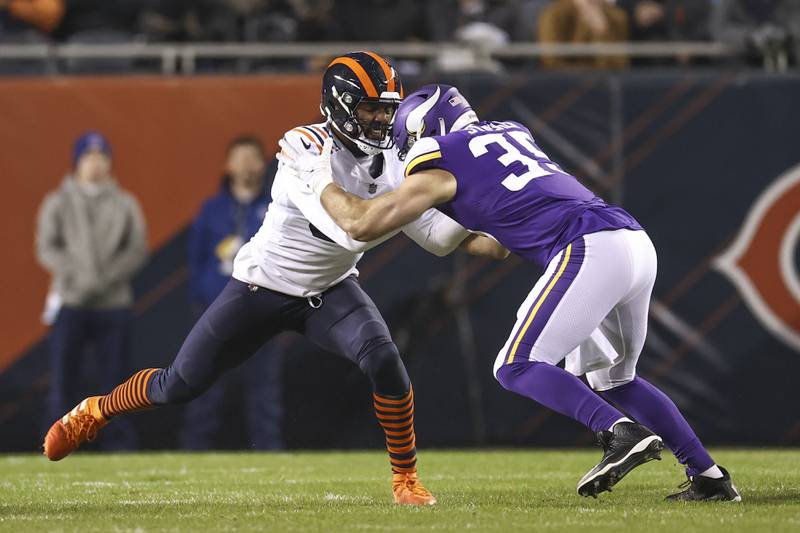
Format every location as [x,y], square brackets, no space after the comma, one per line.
[589,308]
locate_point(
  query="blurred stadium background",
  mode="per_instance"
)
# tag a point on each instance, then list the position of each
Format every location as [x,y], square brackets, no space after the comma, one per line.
[688,115]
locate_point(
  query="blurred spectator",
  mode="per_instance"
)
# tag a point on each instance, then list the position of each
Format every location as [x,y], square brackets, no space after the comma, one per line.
[667,20]
[477,21]
[91,238]
[314,19]
[225,222]
[526,27]
[583,21]
[265,20]
[483,22]
[379,20]
[22,16]
[647,19]
[190,20]
[185,20]
[109,17]
[237,20]
[765,30]
[164,20]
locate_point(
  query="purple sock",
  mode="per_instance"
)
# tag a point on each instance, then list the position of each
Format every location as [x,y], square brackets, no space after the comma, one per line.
[651,407]
[559,390]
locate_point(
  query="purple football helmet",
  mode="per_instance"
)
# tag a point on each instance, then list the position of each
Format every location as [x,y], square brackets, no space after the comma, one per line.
[432,110]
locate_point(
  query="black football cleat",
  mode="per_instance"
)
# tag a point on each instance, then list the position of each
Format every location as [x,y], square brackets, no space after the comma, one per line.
[706,489]
[627,447]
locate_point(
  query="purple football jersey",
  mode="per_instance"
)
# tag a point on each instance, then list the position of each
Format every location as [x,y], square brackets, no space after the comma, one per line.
[508,188]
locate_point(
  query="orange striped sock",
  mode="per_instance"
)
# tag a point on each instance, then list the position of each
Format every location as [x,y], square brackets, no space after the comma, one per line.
[129,396]
[396,416]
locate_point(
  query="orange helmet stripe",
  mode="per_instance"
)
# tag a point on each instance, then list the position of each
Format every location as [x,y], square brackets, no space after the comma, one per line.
[387,70]
[359,71]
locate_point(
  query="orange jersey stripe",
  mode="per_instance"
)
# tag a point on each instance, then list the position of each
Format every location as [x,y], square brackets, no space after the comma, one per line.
[309,137]
[387,71]
[321,131]
[360,73]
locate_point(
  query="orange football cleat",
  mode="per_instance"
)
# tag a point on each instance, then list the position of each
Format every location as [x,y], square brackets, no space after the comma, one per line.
[408,490]
[73,429]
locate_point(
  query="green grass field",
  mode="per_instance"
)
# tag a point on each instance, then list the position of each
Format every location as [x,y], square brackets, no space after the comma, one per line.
[477,490]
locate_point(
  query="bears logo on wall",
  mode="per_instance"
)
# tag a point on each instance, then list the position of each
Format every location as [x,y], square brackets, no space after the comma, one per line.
[761,262]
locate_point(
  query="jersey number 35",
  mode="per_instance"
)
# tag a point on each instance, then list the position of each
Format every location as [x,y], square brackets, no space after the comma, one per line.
[517,147]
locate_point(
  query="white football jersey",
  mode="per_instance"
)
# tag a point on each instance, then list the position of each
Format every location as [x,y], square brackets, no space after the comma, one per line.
[299,250]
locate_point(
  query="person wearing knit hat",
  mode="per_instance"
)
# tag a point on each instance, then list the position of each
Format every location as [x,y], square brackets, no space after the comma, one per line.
[90,141]
[91,239]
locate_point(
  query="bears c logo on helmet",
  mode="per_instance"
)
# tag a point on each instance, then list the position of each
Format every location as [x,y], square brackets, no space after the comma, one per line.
[761,262]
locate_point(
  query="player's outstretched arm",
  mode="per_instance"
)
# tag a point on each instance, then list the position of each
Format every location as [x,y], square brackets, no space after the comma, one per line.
[477,244]
[366,220]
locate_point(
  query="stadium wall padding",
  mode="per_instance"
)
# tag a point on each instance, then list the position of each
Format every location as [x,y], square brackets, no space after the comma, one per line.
[697,157]
[168,135]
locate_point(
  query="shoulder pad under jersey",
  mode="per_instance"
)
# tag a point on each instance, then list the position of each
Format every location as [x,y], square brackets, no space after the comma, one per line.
[305,139]
[424,150]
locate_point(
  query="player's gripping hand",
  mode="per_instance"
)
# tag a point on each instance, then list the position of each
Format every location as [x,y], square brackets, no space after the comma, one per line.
[314,171]
[286,155]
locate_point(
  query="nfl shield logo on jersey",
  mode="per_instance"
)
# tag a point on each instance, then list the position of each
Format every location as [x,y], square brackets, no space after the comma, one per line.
[372,188]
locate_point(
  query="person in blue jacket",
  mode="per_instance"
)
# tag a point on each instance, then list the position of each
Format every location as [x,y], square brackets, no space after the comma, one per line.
[226,221]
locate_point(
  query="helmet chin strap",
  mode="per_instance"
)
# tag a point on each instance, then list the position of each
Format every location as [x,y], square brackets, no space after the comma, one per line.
[357,144]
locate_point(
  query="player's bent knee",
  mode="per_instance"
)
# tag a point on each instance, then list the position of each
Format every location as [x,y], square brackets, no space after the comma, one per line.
[380,360]
[378,355]
[168,387]
[506,376]
[510,375]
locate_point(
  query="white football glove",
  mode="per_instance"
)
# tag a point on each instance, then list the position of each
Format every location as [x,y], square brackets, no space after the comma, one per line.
[287,155]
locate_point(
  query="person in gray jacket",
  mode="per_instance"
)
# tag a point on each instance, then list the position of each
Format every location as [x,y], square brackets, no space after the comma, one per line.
[91,238]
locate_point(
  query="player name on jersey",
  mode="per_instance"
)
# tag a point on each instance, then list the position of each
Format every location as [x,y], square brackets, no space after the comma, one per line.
[509,188]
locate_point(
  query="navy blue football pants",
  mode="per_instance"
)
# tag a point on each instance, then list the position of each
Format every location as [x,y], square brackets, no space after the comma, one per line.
[342,320]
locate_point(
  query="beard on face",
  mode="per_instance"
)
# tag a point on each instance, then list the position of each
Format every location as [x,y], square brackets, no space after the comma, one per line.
[375,130]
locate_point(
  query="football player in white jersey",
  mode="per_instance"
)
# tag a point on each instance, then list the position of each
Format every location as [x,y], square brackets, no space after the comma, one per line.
[589,308]
[299,273]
